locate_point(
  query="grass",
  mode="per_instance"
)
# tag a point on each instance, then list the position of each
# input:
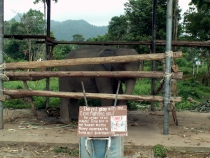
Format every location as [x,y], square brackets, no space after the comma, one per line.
[34,85]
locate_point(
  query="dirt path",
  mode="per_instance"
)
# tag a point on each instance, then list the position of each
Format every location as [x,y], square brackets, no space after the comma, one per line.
[25,136]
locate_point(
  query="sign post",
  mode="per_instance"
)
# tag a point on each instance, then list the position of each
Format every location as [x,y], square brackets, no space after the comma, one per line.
[102,121]
[101,130]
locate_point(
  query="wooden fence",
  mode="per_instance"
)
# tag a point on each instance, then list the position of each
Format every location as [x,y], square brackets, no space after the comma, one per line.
[13,94]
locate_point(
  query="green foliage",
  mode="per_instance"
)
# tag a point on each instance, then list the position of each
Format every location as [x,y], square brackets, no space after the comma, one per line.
[181,62]
[71,152]
[142,87]
[16,104]
[118,28]
[31,23]
[14,49]
[78,38]
[186,70]
[61,150]
[99,38]
[197,27]
[39,102]
[74,152]
[160,151]
[197,20]
[190,89]
[60,51]
[131,105]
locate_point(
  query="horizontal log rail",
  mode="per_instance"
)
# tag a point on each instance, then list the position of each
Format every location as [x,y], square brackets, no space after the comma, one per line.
[51,40]
[124,74]
[158,43]
[12,94]
[84,61]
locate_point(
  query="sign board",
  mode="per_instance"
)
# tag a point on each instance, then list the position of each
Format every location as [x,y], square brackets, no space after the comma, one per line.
[198,63]
[102,121]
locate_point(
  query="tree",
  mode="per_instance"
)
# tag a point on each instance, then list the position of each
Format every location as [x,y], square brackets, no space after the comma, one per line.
[60,51]
[44,2]
[118,27]
[99,38]
[197,27]
[31,23]
[136,24]
[77,38]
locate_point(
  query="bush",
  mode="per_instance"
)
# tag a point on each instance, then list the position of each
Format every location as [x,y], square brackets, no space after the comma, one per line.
[160,151]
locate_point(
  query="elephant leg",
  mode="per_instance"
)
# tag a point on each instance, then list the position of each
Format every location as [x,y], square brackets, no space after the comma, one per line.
[64,102]
[73,109]
[64,110]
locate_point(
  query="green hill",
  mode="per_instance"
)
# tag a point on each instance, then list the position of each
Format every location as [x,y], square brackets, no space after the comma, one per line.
[66,29]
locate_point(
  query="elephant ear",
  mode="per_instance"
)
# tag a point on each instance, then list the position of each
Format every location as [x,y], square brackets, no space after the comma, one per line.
[107,53]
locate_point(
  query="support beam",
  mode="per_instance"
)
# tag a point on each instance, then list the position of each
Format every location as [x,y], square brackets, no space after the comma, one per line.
[12,94]
[115,74]
[85,61]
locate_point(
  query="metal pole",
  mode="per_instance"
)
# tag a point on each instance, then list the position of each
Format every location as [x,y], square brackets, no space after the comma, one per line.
[1,57]
[48,49]
[48,17]
[168,66]
[153,48]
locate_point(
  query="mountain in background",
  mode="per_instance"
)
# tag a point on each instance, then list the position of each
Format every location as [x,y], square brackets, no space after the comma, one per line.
[66,29]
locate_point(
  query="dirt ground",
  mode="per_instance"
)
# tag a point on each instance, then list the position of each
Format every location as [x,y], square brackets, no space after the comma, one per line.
[24,136]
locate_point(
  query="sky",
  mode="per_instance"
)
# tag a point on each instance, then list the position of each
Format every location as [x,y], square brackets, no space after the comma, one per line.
[95,12]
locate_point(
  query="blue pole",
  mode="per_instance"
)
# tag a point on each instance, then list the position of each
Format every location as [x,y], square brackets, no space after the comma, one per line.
[1,58]
[168,66]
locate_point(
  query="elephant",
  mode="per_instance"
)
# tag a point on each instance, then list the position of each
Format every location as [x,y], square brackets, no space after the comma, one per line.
[69,108]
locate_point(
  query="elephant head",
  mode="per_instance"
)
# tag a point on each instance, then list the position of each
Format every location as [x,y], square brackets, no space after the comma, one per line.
[128,66]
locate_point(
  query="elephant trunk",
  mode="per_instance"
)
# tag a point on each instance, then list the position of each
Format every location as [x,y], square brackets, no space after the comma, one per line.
[129,84]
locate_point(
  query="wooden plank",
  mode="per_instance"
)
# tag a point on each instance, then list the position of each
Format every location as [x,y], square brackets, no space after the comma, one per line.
[85,61]
[124,74]
[78,95]
[158,42]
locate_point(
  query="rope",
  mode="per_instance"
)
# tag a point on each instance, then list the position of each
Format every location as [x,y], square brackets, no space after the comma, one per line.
[3,66]
[169,54]
[2,98]
[168,75]
[4,77]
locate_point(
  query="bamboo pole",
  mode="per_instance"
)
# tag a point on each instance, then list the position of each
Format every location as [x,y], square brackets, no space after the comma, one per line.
[78,95]
[85,61]
[124,74]
[29,99]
